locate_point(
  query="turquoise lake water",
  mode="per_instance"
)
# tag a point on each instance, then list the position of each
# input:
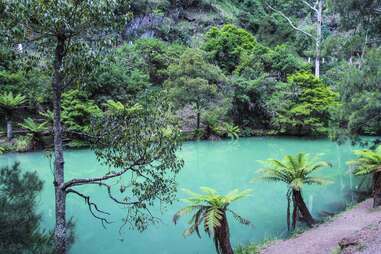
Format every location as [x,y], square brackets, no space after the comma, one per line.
[222,165]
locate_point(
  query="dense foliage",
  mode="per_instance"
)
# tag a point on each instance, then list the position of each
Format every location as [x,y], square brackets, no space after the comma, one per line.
[21,232]
[124,72]
[138,143]
[253,72]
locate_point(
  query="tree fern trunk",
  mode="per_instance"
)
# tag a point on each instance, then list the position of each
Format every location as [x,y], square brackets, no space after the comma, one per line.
[301,205]
[376,189]
[9,130]
[223,237]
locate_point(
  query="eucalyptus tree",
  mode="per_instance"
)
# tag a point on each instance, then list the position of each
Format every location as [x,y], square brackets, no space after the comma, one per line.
[369,163]
[9,103]
[210,210]
[295,171]
[317,7]
[70,35]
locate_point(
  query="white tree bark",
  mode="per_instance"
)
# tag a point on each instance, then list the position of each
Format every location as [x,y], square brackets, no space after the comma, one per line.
[318,10]
[319,24]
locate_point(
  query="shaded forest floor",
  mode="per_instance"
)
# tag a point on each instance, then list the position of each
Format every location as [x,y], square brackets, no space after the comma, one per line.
[355,231]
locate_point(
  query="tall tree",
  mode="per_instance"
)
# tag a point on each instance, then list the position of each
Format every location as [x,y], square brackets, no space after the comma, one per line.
[303,105]
[71,34]
[317,9]
[194,81]
[210,209]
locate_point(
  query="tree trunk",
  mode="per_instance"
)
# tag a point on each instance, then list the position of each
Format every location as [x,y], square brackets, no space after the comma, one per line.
[376,189]
[223,237]
[294,216]
[319,25]
[301,206]
[60,195]
[9,130]
[198,116]
[198,120]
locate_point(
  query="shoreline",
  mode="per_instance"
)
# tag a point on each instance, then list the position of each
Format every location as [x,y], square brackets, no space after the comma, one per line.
[331,237]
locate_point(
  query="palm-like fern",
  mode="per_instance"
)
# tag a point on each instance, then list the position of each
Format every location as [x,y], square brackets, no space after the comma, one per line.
[35,130]
[295,171]
[209,210]
[8,103]
[33,126]
[226,129]
[114,106]
[11,101]
[369,162]
[48,116]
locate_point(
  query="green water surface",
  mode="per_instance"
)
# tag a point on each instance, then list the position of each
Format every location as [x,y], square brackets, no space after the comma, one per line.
[223,165]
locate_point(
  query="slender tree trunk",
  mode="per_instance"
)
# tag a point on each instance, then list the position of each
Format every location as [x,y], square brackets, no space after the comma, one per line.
[288,209]
[376,189]
[9,129]
[319,25]
[301,206]
[198,115]
[294,216]
[60,195]
[223,237]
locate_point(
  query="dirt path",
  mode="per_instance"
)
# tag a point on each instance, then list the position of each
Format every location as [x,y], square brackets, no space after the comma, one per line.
[325,238]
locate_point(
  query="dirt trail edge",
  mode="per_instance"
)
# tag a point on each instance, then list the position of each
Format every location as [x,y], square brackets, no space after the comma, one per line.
[324,238]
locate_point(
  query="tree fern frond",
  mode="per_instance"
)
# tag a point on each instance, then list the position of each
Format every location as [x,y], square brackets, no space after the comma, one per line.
[317,180]
[239,218]
[184,211]
[213,218]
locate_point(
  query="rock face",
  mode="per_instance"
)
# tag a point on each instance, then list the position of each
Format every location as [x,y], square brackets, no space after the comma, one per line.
[178,22]
[145,26]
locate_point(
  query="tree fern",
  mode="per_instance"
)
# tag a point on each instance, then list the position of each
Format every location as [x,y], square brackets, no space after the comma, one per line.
[295,171]
[369,162]
[209,210]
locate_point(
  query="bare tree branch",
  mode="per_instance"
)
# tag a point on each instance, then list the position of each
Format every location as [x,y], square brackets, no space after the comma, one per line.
[91,204]
[292,23]
[112,197]
[311,7]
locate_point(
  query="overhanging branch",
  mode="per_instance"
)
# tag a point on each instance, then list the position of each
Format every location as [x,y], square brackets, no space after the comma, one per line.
[76,182]
[91,206]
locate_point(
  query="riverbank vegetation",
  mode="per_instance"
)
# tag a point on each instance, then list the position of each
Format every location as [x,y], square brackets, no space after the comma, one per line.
[129,78]
[246,70]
